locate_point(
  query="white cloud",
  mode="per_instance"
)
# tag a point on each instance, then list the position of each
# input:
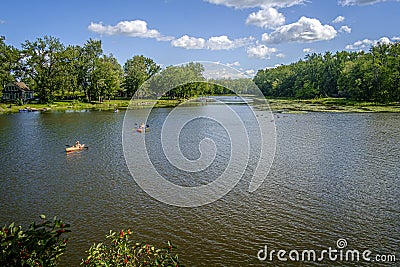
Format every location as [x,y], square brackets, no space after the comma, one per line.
[221,71]
[220,43]
[213,43]
[250,72]
[305,30]
[133,28]
[189,42]
[234,64]
[396,39]
[260,51]
[361,2]
[339,19]
[307,50]
[256,3]
[224,43]
[266,18]
[366,43]
[281,55]
[345,29]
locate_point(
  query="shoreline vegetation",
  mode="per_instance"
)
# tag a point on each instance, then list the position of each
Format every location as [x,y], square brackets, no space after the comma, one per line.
[341,82]
[277,105]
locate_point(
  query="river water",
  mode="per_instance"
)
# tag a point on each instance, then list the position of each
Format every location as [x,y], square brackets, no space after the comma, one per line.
[334,176]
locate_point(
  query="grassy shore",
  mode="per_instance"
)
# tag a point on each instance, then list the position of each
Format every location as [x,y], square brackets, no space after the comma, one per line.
[276,105]
[329,105]
[7,108]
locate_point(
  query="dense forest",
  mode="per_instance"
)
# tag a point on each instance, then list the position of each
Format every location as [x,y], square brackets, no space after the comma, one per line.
[56,71]
[363,76]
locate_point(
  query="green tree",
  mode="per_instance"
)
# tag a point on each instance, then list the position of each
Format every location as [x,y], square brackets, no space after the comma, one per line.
[68,78]
[42,62]
[106,78]
[138,70]
[180,81]
[9,57]
[89,56]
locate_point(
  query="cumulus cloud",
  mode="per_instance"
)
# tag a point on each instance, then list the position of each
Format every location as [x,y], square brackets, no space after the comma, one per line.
[133,28]
[304,30]
[213,43]
[220,43]
[256,3]
[266,18]
[366,43]
[250,72]
[339,19]
[345,29]
[307,50]
[224,43]
[189,42]
[260,51]
[361,2]
[234,64]
[281,55]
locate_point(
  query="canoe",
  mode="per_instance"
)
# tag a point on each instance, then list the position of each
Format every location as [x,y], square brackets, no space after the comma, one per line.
[74,148]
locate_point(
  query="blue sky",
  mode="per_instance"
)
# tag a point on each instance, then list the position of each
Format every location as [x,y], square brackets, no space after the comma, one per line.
[246,34]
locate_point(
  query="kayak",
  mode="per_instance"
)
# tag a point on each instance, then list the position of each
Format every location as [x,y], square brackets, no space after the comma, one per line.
[141,130]
[74,148]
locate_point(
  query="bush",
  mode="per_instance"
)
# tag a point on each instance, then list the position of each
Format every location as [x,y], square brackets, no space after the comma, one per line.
[121,251]
[41,245]
[19,102]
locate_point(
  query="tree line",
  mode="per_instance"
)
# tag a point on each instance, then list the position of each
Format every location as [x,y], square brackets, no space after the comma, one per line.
[362,76]
[54,70]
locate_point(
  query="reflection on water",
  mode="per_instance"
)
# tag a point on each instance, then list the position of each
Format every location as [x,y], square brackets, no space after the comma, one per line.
[334,176]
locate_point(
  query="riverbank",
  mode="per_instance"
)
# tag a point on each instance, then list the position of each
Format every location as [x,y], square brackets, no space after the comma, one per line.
[7,108]
[329,105]
[276,105]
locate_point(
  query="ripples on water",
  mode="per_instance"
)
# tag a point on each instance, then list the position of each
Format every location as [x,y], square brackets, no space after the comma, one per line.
[334,176]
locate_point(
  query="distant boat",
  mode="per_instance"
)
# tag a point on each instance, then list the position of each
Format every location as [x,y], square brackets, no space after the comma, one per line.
[75,148]
[143,128]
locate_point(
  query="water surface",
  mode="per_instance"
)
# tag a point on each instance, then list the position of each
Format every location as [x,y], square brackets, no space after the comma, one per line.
[334,176]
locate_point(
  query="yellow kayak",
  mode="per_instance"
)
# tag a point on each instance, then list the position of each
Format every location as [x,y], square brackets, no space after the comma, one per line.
[75,148]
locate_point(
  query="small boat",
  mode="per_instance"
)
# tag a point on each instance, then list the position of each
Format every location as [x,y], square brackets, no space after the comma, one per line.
[141,130]
[75,148]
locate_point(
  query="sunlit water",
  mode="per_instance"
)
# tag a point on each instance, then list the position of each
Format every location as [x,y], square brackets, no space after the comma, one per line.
[334,176]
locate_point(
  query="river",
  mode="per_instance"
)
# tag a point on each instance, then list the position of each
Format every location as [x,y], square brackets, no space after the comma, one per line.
[334,176]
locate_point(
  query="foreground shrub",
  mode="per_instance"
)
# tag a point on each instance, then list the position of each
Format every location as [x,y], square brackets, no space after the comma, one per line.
[121,251]
[40,245]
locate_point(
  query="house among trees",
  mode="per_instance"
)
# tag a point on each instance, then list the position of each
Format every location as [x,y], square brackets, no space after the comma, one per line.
[17,90]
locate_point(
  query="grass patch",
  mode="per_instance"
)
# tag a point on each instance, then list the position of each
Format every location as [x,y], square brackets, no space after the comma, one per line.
[329,105]
[7,108]
[277,105]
